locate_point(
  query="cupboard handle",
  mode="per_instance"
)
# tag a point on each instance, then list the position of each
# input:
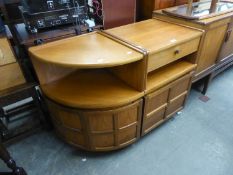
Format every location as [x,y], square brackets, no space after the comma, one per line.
[228,35]
[1,54]
[177,51]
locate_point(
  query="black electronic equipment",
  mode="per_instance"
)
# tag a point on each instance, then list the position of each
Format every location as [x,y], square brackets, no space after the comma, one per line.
[37,6]
[41,14]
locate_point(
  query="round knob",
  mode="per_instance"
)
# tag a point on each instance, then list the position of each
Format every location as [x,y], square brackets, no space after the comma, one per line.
[177,51]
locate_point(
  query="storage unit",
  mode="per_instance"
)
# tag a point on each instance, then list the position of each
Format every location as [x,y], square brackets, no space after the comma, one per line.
[148,6]
[100,94]
[215,49]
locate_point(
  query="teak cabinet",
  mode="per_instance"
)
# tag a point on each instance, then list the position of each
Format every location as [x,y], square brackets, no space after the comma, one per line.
[148,6]
[216,44]
[227,46]
[108,98]
[162,104]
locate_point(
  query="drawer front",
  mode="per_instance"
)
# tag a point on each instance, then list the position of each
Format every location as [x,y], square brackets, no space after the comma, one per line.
[169,55]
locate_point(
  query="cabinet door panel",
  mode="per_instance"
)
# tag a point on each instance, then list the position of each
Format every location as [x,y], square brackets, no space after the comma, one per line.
[211,47]
[175,105]
[155,105]
[227,47]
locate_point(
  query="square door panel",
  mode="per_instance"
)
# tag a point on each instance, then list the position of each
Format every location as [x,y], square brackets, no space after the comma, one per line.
[156,100]
[128,117]
[69,119]
[101,121]
[175,105]
[127,135]
[103,140]
[180,87]
[75,137]
[153,119]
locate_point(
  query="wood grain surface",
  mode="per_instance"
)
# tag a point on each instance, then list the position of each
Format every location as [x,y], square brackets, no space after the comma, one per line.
[86,51]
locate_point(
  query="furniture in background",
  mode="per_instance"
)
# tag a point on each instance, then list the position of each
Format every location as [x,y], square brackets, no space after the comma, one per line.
[216,51]
[148,6]
[122,86]
[20,112]
[9,161]
[118,13]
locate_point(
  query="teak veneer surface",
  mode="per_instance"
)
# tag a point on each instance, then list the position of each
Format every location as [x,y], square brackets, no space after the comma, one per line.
[91,89]
[161,77]
[6,54]
[86,51]
[155,35]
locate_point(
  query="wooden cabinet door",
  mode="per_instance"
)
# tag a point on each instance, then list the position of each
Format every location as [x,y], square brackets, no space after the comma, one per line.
[227,46]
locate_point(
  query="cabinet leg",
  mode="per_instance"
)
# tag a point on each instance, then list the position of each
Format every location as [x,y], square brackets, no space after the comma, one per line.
[5,156]
[207,82]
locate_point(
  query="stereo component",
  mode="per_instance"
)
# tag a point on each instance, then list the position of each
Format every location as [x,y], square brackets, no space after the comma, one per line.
[41,14]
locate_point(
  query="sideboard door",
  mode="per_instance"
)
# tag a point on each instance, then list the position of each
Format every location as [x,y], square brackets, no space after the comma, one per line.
[227,47]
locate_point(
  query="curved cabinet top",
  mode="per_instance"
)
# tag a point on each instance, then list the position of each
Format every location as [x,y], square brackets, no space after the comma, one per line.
[86,51]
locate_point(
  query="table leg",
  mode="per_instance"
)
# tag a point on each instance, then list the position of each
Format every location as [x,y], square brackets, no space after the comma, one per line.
[207,82]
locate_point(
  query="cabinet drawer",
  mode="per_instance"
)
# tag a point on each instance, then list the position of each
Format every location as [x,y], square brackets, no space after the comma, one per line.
[169,55]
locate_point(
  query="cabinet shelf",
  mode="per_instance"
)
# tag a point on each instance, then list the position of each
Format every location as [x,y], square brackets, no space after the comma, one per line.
[91,89]
[161,77]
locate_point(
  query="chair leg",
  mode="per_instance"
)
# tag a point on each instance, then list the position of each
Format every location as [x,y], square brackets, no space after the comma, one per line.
[5,156]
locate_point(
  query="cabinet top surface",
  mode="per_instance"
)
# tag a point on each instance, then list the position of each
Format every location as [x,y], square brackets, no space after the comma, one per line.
[86,51]
[155,35]
[205,21]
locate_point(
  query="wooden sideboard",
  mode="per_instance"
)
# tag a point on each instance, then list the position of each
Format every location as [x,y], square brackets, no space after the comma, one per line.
[215,53]
[148,6]
[106,89]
